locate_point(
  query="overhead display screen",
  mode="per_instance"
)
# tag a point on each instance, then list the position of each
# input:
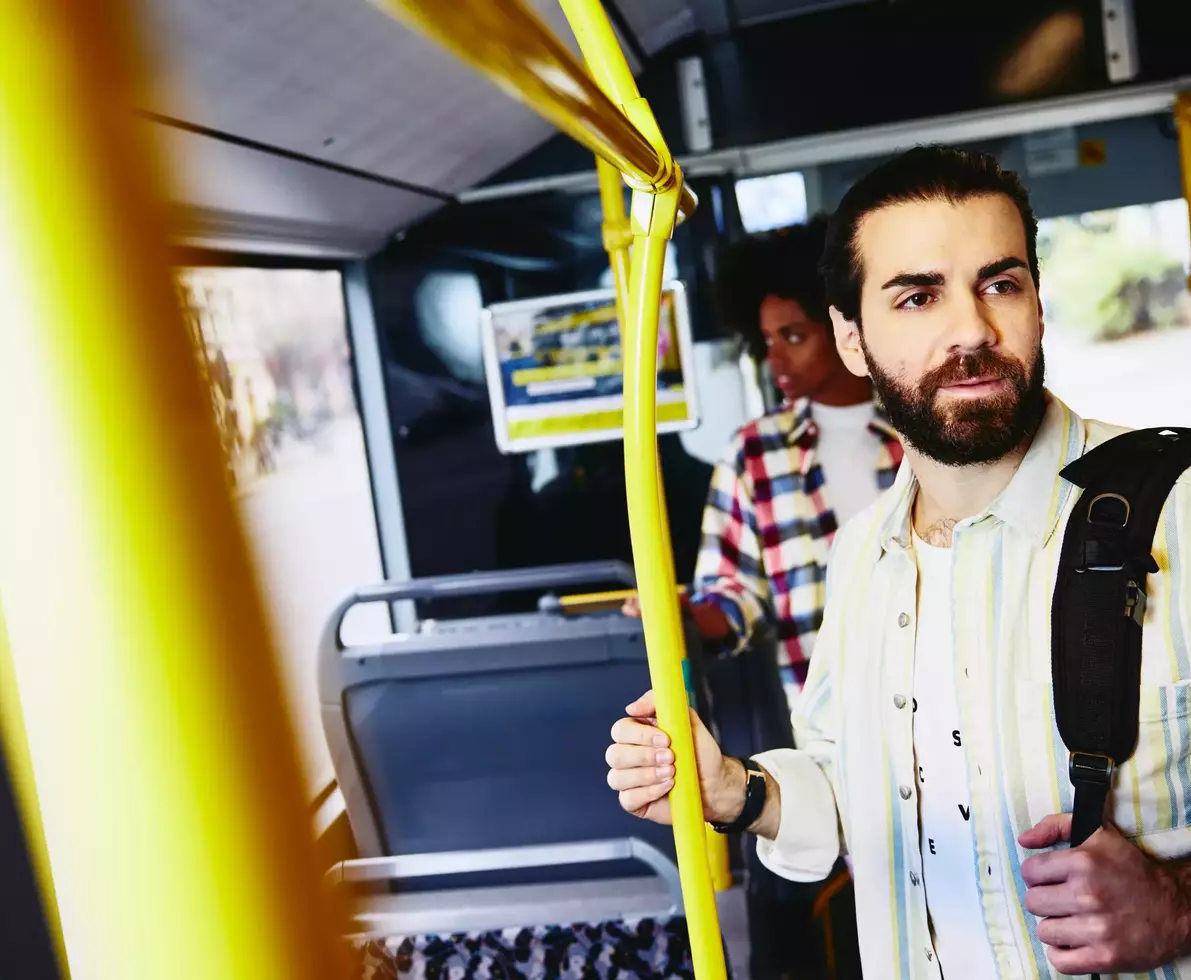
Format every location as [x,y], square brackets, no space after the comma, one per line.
[555,373]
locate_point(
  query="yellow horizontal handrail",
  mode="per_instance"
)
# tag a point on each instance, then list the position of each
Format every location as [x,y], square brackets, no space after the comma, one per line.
[508,43]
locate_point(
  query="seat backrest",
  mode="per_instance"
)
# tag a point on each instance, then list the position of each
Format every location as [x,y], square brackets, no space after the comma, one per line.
[484,733]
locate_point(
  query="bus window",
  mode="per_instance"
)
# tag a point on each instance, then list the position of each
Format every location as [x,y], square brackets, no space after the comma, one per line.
[279,368]
[1118,313]
[774,201]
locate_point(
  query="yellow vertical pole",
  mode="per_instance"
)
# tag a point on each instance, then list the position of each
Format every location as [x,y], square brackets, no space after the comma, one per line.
[601,51]
[617,233]
[608,66]
[1182,117]
[653,220]
[164,764]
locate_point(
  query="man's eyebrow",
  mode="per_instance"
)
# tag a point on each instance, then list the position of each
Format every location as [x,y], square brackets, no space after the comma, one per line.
[1001,265]
[903,279]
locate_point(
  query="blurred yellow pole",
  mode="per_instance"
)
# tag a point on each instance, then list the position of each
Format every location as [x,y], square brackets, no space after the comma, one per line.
[164,763]
[1182,117]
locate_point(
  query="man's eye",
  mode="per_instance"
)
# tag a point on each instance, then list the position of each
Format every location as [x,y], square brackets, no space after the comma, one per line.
[1003,287]
[915,302]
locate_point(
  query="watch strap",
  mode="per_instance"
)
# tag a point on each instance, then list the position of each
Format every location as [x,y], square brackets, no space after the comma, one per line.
[754,800]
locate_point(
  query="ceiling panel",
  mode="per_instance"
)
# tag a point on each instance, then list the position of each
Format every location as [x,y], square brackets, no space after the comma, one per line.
[341,80]
[336,80]
[235,194]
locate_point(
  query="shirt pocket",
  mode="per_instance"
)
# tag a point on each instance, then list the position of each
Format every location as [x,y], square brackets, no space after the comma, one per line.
[1152,790]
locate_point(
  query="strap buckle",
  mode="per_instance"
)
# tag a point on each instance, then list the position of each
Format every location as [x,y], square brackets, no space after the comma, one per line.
[1101,556]
[1105,556]
[1090,767]
[1135,602]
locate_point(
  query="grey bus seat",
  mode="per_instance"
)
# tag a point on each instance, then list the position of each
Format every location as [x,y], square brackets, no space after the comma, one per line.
[488,735]
[482,733]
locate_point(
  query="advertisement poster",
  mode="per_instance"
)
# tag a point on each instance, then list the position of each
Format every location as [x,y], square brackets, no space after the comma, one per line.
[555,369]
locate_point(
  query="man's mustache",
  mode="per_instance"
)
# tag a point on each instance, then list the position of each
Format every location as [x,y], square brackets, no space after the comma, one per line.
[983,363]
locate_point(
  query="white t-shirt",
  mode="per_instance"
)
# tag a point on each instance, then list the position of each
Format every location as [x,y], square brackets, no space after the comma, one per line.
[847,451]
[944,805]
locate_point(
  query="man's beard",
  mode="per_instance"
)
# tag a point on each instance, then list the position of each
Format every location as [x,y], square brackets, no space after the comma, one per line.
[965,431]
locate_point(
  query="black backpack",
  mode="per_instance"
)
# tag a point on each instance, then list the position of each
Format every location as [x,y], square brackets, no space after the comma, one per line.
[1099,606]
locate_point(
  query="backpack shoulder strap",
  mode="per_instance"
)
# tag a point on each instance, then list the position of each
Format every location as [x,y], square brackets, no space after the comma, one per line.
[1099,605]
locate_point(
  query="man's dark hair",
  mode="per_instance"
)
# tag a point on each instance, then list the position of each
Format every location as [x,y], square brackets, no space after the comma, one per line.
[778,263]
[925,173]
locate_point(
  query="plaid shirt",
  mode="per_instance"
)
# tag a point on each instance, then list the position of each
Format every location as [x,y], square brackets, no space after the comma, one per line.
[767,531]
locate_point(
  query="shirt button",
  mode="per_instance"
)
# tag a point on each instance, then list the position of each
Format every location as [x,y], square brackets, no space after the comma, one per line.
[899,701]
[903,620]
[905,792]
[914,879]
[930,956]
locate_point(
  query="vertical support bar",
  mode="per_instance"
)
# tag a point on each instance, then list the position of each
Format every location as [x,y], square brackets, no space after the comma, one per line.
[1182,118]
[617,233]
[378,436]
[653,222]
[601,50]
[608,66]
[165,765]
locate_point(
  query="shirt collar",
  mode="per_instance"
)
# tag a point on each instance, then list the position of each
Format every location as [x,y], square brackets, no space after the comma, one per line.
[805,434]
[1035,498]
[803,431]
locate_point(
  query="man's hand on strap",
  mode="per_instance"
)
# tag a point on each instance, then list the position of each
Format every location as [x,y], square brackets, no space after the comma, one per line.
[1105,906]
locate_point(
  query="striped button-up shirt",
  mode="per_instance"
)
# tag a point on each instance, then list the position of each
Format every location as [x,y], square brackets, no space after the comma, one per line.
[851,785]
[768,528]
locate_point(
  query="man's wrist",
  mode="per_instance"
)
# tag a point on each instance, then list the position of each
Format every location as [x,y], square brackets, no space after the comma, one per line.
[732,789]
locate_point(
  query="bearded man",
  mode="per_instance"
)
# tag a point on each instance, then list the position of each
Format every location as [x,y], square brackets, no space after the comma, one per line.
[927,744]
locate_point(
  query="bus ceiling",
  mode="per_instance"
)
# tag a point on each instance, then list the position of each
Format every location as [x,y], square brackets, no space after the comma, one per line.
[324,129]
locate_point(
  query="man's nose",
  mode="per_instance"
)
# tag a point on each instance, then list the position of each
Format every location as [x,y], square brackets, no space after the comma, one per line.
[971,325]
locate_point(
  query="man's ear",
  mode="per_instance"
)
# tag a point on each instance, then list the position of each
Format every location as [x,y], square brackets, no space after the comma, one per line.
[847,342]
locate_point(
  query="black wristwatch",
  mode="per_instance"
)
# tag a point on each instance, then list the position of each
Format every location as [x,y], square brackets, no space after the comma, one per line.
[754,800]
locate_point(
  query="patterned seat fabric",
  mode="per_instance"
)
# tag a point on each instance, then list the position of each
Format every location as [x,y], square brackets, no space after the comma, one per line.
[648,949]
